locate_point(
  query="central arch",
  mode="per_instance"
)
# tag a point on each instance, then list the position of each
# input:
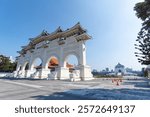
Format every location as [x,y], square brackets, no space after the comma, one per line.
[51,66]
[48,59]
[52,63]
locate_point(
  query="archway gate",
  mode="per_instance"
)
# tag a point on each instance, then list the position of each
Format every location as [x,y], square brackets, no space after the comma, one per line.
[59,44]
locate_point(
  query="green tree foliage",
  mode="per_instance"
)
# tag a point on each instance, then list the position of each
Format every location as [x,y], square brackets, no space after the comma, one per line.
[143,12]
[142,9]
[6,65]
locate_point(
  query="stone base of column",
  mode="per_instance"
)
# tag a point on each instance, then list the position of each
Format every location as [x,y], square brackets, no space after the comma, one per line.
[85,72]
[21,74]
[63,73]
[15,74]
[44,73]
[39,74]
[60,73]
[53,75]
[28,73]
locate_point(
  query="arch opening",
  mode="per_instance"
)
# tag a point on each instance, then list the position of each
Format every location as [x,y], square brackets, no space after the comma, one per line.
[120,71]
[37,64]
[27,66]
[53,63]
[71,62]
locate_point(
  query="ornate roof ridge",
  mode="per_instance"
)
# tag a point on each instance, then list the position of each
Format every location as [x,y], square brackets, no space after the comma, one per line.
[57,33]
[58,30]
[77,25]
[43,33]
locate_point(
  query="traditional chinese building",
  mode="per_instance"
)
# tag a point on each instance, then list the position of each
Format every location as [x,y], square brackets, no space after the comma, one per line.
[53,49]
[119,69]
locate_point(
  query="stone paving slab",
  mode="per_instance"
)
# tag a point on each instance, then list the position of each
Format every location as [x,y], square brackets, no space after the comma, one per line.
[25,89]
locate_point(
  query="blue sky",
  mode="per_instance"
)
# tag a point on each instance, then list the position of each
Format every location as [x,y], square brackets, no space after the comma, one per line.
[112,24]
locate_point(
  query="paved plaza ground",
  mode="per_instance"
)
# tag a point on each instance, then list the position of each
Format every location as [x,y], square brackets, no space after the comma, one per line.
[98,89]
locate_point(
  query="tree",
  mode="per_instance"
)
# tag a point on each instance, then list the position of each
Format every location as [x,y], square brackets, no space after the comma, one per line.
[142,9]
[143,12]
[6,65]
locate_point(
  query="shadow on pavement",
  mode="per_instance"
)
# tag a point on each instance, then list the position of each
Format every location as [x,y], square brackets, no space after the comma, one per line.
[98,94]
[139,84]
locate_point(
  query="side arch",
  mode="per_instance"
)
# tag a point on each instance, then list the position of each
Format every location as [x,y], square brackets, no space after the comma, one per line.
[33,62]
[19,67]
[66,56]
[25,64]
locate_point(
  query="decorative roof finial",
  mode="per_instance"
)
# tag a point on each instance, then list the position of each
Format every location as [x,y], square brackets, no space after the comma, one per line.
[58,30]
[44,33]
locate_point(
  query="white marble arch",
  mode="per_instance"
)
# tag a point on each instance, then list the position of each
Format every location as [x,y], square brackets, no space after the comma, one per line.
[59,44]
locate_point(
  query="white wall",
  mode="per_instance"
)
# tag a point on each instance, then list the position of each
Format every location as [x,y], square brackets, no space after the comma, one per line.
[2,74]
